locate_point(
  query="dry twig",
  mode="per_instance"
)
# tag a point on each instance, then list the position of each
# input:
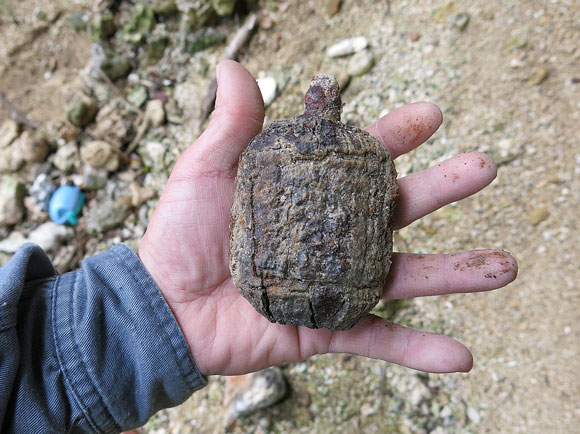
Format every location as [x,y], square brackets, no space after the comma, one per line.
[16,114]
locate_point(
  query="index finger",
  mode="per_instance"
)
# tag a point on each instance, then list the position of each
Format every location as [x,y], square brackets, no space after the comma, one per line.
[407,127]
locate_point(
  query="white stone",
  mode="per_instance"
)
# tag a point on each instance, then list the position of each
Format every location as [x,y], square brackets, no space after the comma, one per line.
[9,130]
[67,157]
[347,46]
[155,113]
[268,88]
[473,415]
[360,63]
[48,235]
[11,201]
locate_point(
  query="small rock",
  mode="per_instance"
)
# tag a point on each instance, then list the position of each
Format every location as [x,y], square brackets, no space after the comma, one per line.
[332,7]
[69,132]
[82,112]
[110,208]
[155,48]
[347,46]
[9,131]
[223,7]
[10,160]
[246,394]
[92,178]
[140,23]
[415,37]
[78,21]
[268,87]
[114,123]
[116,67]
[539,76]
[12,194]
[164,7]
[153,155]
[40,192]
[203,39]
[360,63]
[413,389]
[155,113]
[102,26]
[446,412]
[442,13]
[140,195]
[517,40]
[101,155]
[367,410]
[48,236]
[32,148]
[138,95]
[538,215]
[461,20]
[473,415]
[66,158]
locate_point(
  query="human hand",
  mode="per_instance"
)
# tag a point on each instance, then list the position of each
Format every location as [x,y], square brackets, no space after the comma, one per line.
[185,247]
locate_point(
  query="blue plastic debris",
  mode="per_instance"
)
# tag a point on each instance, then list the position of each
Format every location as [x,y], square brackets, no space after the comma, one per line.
[65,204]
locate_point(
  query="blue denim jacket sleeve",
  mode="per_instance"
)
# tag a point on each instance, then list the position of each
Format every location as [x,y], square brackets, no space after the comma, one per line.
[95,350]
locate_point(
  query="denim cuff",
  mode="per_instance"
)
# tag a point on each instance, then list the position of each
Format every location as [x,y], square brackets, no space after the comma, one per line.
[120,348]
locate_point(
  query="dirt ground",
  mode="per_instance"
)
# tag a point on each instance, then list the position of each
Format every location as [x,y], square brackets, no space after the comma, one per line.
[508,83]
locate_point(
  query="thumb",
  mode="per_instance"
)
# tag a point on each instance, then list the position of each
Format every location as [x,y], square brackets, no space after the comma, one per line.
[237,118]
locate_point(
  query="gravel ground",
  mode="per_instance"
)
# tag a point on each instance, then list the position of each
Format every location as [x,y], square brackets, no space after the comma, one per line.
[508,84]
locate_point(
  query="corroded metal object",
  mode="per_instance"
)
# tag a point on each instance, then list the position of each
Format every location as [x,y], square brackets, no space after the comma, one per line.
[311,233]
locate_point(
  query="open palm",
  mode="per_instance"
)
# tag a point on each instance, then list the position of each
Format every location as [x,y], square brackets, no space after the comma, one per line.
[186,247]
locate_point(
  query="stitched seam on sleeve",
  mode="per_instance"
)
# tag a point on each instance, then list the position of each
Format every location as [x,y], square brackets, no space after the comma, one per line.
[78,360]
[155,307]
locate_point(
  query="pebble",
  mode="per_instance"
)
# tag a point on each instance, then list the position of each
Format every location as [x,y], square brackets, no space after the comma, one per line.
[82,112]
[153,155]
[202,40]
[473,415]
[155,113]
[101,155]
[461,20]
[538,215]
[413,389]
[9,131]
[332,7]
[31,147]
[164,7]
[40,192]
[116,67]
[360,63]
[367,410]
[155,49]
[138,96]
[223,7]
[114,123]
[48,236]
[91,178]
[140,195]
[102,26]
[252,392]
[106,213]
[347,46]
[268,88]
[10,160]
[66,157]
[539,76]
[12,194]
